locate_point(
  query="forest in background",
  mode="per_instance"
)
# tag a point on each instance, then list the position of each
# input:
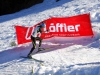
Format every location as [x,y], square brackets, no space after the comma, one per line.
[12,6]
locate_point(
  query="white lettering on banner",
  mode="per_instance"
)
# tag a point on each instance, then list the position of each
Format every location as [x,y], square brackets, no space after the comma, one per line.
[52,28]
[77,26]
[27,32]
[58,25]
[62,27]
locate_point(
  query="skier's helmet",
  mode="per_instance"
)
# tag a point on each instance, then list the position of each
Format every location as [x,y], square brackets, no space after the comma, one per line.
[42,24]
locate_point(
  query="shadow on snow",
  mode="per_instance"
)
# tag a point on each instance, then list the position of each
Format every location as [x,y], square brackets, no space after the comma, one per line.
[12,56]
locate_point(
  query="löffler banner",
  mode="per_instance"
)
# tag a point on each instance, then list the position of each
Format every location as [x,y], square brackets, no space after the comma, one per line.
[79,25]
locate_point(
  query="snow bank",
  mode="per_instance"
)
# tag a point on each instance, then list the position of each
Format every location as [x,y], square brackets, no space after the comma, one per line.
[71,56]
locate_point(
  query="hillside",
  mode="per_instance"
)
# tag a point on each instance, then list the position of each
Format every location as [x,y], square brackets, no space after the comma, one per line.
[76,56]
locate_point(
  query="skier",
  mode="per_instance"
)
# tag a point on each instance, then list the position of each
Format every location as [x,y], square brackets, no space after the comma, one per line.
[35,36]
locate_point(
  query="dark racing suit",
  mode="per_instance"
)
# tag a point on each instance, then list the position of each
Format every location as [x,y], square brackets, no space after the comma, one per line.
[35,36]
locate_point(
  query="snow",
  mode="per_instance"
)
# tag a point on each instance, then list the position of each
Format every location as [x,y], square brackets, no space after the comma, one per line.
[78,56]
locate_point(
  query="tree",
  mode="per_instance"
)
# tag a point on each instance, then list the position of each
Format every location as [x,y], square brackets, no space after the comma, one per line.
[57,0]
[11,6]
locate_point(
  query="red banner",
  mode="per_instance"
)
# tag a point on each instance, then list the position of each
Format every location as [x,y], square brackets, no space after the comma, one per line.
[79,25]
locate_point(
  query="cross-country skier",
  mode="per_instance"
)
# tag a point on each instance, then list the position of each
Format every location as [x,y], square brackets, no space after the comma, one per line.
[35,36]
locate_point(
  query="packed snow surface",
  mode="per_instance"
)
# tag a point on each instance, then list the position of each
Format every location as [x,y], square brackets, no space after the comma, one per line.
[75,56]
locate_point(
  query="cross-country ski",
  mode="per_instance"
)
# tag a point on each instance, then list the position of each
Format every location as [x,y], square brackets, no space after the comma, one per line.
[61,36]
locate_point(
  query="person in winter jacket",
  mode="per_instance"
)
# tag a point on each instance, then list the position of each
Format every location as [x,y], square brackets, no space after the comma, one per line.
[35,36]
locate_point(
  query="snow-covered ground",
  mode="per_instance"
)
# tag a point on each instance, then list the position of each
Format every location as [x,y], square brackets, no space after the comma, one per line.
[75,57]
